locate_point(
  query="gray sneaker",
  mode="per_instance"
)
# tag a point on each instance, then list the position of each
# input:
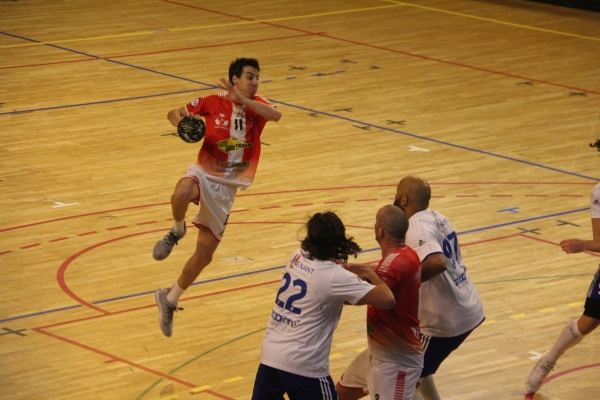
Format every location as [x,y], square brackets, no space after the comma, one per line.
[165,311]
[164,246]
[538,374]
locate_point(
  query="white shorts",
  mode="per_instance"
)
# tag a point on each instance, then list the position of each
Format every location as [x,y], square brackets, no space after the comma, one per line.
[380,380]
[215,200]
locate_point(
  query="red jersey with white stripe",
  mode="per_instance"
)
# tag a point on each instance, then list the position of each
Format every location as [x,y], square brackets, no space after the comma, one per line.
[231,147]
[394,334]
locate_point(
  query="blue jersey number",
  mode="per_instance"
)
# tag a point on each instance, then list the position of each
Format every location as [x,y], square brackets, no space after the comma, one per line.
[289,304]
[450,248]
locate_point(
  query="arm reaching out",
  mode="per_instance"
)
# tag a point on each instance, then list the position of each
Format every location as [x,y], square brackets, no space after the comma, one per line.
[381,296]
[579,245]
[270,113]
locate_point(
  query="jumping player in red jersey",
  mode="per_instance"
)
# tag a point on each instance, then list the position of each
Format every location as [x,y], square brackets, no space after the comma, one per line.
[227,161]
[390,368]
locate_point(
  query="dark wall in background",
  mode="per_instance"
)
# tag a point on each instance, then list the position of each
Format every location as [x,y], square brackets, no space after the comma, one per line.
[591,5]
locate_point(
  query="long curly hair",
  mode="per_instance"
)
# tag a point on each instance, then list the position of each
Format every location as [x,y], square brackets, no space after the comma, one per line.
[596,145]
[326,238]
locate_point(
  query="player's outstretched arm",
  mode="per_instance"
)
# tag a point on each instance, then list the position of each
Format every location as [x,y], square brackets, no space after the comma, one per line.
[579,245]
[381,296]
[270,113]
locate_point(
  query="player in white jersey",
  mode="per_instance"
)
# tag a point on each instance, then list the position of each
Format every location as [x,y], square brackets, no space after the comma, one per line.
[574,331]
[226,161]
[449,305]
[308,306]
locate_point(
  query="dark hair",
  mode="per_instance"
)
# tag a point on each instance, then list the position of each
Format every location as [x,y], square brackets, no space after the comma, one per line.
[326,238]
[237,67]
[596,145]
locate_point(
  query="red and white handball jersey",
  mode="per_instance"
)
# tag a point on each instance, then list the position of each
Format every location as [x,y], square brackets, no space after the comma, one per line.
[394,334]
[231,147]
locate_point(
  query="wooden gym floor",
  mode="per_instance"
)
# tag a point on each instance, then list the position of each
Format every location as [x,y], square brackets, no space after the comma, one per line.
[494,102]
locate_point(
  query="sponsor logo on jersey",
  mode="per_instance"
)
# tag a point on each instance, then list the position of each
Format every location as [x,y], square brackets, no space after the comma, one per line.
[460,279]
[303,268]
[194,103]
[596,201]
[421,242]
[275,316]
[232,144]
[227,164]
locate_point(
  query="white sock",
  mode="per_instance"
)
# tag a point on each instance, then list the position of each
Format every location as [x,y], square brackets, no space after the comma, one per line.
[179,226]
[568,338]
[428,389]
[174,294]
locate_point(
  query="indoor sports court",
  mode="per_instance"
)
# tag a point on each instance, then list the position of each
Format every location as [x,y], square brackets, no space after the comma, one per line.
[495,103]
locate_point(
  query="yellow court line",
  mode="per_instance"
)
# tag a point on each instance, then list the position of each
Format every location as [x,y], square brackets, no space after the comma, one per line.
[200,389]
[205,26]
[496,21]
[237,378]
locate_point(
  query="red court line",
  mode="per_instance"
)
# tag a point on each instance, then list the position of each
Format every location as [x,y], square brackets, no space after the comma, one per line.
[81,215]
[58,240]
[492,240]
[114,228]
[291,191]
[217,394]
[115,358]
[395,51]
[555,244]
[60,274]
[30,245]
[5,252]
[160,51]
[562,373]
[87,233]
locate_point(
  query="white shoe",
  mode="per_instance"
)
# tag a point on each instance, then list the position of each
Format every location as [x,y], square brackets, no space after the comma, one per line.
[538,374]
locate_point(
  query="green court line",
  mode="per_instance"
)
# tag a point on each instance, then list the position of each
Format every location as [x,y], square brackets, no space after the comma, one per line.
[145,392]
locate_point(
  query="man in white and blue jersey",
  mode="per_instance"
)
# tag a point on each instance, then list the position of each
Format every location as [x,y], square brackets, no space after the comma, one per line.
[449,305]
[308,306]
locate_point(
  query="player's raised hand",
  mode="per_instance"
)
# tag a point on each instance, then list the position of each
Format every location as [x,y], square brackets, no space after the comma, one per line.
[234,95]
[572,245]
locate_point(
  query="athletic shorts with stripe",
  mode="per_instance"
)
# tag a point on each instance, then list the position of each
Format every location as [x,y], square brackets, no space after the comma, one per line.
[380,380]
[215,200]
[437,349]
[271,383]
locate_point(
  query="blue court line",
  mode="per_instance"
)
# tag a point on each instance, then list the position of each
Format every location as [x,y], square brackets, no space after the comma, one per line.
[109,60]
[301,108]
[103,101]
[274,268]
